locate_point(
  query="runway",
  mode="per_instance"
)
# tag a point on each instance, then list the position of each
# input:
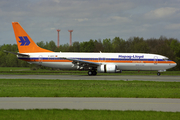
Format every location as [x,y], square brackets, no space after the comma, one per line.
[155,104]
[86,77]
[147,104]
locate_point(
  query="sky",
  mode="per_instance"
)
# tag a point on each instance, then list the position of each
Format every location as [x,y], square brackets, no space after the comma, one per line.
[90,19]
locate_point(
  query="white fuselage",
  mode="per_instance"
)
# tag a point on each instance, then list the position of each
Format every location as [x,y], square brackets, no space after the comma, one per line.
[123,61]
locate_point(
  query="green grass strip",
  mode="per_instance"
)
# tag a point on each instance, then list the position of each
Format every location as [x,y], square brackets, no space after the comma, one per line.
[54,114]
[28,71]
[88,88]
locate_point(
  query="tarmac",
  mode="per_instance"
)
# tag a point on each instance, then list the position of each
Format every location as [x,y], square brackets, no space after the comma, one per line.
[98,77]
[143,104]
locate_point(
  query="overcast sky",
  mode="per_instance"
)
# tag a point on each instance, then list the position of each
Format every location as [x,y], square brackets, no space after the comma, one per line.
[90,19]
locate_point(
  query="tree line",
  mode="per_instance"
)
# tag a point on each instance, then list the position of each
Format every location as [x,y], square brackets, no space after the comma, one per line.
[169,47]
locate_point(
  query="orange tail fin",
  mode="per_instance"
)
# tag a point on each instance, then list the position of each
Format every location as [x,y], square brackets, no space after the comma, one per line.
[24,42]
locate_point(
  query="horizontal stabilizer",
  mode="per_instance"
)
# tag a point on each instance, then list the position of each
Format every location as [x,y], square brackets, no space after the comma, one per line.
[19,54]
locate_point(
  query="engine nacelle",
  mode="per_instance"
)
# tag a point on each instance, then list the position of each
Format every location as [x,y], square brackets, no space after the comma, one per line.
[107,69]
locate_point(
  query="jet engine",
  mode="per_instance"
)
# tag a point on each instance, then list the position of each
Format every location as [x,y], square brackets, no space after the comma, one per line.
[107,69]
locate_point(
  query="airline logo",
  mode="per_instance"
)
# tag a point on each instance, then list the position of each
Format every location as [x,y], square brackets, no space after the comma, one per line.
[131,56]
[24,41]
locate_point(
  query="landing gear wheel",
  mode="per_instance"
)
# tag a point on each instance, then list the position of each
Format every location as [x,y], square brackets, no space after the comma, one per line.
[158,74]
[90,73]
[94,72]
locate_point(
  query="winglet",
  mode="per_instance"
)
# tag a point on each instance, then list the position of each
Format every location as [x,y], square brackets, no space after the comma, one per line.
[24,42]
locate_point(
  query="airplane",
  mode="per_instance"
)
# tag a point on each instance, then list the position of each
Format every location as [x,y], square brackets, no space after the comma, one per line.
[92,62]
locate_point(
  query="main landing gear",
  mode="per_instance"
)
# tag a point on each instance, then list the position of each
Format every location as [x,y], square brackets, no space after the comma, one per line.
[92,72]
[158,74]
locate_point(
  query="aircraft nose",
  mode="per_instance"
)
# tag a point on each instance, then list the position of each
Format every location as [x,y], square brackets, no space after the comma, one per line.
[174,64]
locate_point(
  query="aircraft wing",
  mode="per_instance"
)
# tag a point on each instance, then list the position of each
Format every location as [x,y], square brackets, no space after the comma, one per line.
[82,63]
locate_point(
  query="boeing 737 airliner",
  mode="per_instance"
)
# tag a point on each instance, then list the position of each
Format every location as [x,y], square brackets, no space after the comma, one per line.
[92,62]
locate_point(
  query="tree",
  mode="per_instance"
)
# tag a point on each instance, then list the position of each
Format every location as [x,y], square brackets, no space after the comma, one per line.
[11,60]
[118,45]
[2,59]
[63,48]
[152,43]
[163,46]
[175,46]
[76,47]
[98,46]
[87,46]
[138,45]
[51,45]
[41,44]
[107,45]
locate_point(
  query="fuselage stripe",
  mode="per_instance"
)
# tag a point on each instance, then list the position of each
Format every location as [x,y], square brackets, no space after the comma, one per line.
[107,60]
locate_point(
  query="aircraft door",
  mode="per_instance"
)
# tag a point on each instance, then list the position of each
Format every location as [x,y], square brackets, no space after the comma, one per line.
[40,59]
[155,60]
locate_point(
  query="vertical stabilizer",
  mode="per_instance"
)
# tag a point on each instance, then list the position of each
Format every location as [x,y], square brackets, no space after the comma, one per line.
[24,42]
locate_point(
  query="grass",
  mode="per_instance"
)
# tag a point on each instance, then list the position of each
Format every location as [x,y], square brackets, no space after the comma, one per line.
[27,71]
[54,114]
[88,88]
[82,88]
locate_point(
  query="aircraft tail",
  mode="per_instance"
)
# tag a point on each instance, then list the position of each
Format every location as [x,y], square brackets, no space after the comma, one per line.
[24,42]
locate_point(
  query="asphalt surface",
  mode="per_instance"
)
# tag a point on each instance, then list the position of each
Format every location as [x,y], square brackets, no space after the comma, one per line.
[83,77]
[147,104]
[155,104]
